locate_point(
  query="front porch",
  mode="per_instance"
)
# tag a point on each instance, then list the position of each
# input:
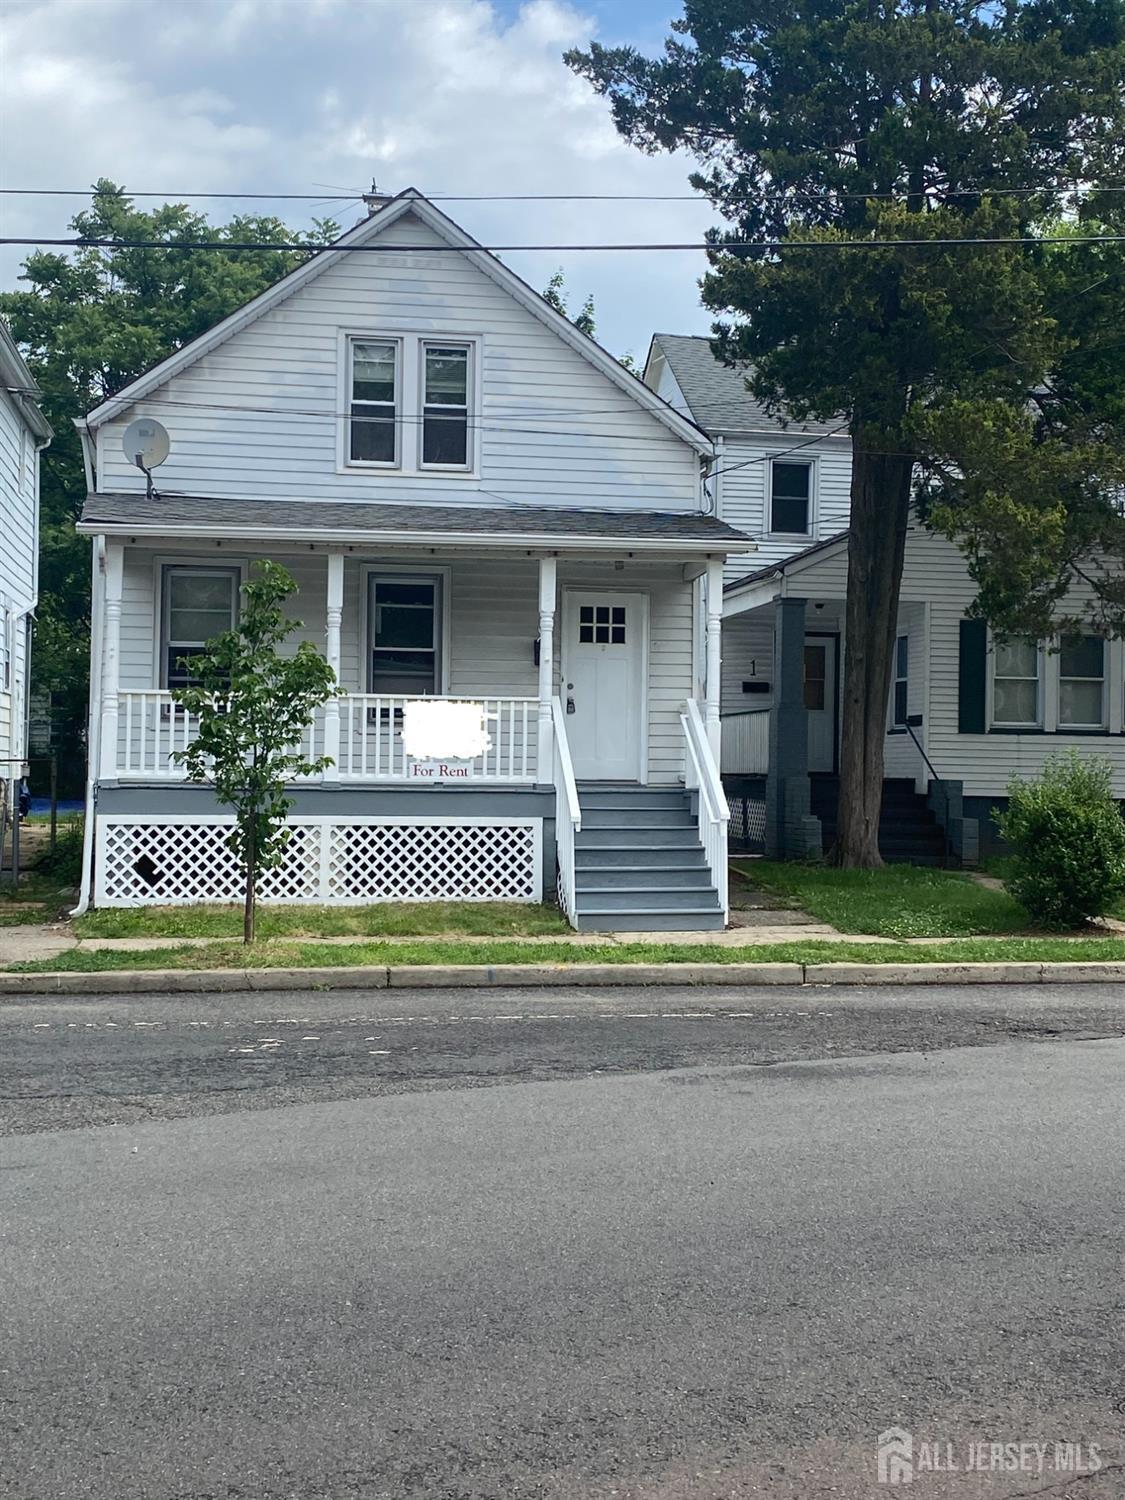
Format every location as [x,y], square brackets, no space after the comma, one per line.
[583,664]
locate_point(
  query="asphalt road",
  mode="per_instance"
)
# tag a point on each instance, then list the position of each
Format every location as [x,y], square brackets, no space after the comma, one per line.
[650,1245]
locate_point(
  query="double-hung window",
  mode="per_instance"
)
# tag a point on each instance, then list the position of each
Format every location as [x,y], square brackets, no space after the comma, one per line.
[373,394]
[1082,694]
[900,691]
[445,406]
[199,603]
[790,498]
[1016,695]
[404,634]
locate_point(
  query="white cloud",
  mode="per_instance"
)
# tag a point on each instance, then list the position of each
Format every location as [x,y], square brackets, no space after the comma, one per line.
[452,96]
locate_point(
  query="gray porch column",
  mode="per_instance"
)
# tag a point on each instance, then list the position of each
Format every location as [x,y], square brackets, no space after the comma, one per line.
[791,831]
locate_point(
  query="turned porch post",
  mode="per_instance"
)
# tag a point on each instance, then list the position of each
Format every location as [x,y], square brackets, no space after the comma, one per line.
[111,657]
[547,578]
[714,655]
[334,614]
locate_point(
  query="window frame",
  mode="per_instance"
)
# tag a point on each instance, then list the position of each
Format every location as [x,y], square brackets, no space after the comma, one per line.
[1102,726]
[1012,726]
[165,565]
[406,573]
[425,344]
[900,677]
[811,505]
[410,378]
[7,646]
[352,340]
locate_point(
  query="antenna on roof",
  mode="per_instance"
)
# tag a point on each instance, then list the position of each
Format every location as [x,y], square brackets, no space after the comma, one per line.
[375,200]
[146,444]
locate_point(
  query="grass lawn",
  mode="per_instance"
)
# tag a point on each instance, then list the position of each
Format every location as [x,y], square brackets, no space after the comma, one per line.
[308,955]
[897,901]
[497,919]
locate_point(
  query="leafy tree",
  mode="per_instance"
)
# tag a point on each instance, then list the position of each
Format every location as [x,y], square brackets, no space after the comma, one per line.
[254,703]
[835,121]
[555,293]
[88,323]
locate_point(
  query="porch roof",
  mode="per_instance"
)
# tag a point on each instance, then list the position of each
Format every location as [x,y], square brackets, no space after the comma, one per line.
[557,527]
[764,584]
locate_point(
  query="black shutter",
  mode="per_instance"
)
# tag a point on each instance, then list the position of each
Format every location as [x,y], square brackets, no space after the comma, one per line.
[970,677]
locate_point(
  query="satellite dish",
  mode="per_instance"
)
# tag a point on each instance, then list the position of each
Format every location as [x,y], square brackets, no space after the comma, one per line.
[146,444]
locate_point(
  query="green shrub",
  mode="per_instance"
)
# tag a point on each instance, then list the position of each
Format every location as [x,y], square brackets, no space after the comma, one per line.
[64,862]
[1068,841]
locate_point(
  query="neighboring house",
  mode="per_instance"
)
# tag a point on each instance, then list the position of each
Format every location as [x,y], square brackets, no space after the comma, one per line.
[24,433]
[963,712]
[479,503]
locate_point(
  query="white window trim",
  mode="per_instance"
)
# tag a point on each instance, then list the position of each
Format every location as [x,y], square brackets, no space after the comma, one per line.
[234,564]
[7,665]
[894,724]
[404,571]
[1102,727]
[408,421]
[471,424]
[379,465]
[813,520]
[1041,692]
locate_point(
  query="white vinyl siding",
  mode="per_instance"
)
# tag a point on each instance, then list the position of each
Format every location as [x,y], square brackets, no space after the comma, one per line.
[18,568]
[744,495]
[493,621]
[261,416]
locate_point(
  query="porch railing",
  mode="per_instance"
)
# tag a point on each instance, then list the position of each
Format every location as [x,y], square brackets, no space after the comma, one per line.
[702,776]
[151,727]
[746,742]
[568,814]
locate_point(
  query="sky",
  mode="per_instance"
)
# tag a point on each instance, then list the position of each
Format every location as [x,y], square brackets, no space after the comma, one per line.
[187,97]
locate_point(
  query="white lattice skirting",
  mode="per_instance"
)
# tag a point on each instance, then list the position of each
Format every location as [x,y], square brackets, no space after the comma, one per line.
[146,861]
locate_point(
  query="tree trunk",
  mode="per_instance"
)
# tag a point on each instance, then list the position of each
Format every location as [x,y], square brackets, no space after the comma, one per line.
[249,911]
[880,506]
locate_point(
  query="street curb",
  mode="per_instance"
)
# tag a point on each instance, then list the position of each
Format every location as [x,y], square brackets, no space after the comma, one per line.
[593,976]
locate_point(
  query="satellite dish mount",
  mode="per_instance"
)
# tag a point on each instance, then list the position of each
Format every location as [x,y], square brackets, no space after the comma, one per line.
[146,445]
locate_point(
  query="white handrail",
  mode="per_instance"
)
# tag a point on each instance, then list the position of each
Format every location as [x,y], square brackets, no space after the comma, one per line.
[568,814]
[702,776]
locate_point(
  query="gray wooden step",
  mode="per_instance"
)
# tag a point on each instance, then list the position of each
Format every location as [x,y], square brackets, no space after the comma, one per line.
[636,817]
[654,856]
[704,919]
[624,835]
[646,898]
[642,877]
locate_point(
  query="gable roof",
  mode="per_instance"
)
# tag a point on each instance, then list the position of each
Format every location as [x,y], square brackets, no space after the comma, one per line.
[716,394]
[792,564]
[410,201]
[20,385]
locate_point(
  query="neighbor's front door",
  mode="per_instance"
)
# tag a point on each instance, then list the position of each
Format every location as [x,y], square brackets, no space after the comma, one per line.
[603,681]
[820,700]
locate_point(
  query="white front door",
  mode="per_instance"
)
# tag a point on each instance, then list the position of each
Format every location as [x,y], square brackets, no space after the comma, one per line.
[603,684]
[820,700]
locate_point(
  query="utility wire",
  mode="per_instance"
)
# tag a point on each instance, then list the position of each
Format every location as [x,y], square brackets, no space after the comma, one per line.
[806,195]
[718,247]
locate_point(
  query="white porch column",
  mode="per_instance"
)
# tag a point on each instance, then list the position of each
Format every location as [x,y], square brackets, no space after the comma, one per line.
[111,657]
[334,614]
[548,572]
[714,639]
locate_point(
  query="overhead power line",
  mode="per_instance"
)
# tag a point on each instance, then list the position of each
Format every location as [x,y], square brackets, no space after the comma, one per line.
[684,245]
[807,196]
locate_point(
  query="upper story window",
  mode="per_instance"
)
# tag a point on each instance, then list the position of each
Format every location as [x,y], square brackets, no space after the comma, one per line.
[445,405]
[1016,695]
[199,604]
[373,401]
[1082,683]
[409,403]
[790,498]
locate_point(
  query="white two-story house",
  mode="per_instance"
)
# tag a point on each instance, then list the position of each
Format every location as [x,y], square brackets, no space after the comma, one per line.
[24,433]
[964,710]
[478,503]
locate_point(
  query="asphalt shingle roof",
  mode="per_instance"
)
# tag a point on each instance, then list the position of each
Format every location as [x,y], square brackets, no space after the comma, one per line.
[716,394]
[120,511]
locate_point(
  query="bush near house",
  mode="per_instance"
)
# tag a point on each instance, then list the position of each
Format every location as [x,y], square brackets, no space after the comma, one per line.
[1068,841]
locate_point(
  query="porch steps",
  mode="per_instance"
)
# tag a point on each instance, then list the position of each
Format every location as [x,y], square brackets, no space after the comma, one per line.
[908,831]
[639,866]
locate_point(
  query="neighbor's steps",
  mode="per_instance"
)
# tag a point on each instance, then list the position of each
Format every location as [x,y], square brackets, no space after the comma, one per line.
[638,862]
[909,833]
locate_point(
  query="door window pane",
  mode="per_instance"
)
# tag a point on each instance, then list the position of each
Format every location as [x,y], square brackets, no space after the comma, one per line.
[1082,683]
[601,625]
[445,405]
[816,686]
[374,401]
[790,485]
[405,634]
